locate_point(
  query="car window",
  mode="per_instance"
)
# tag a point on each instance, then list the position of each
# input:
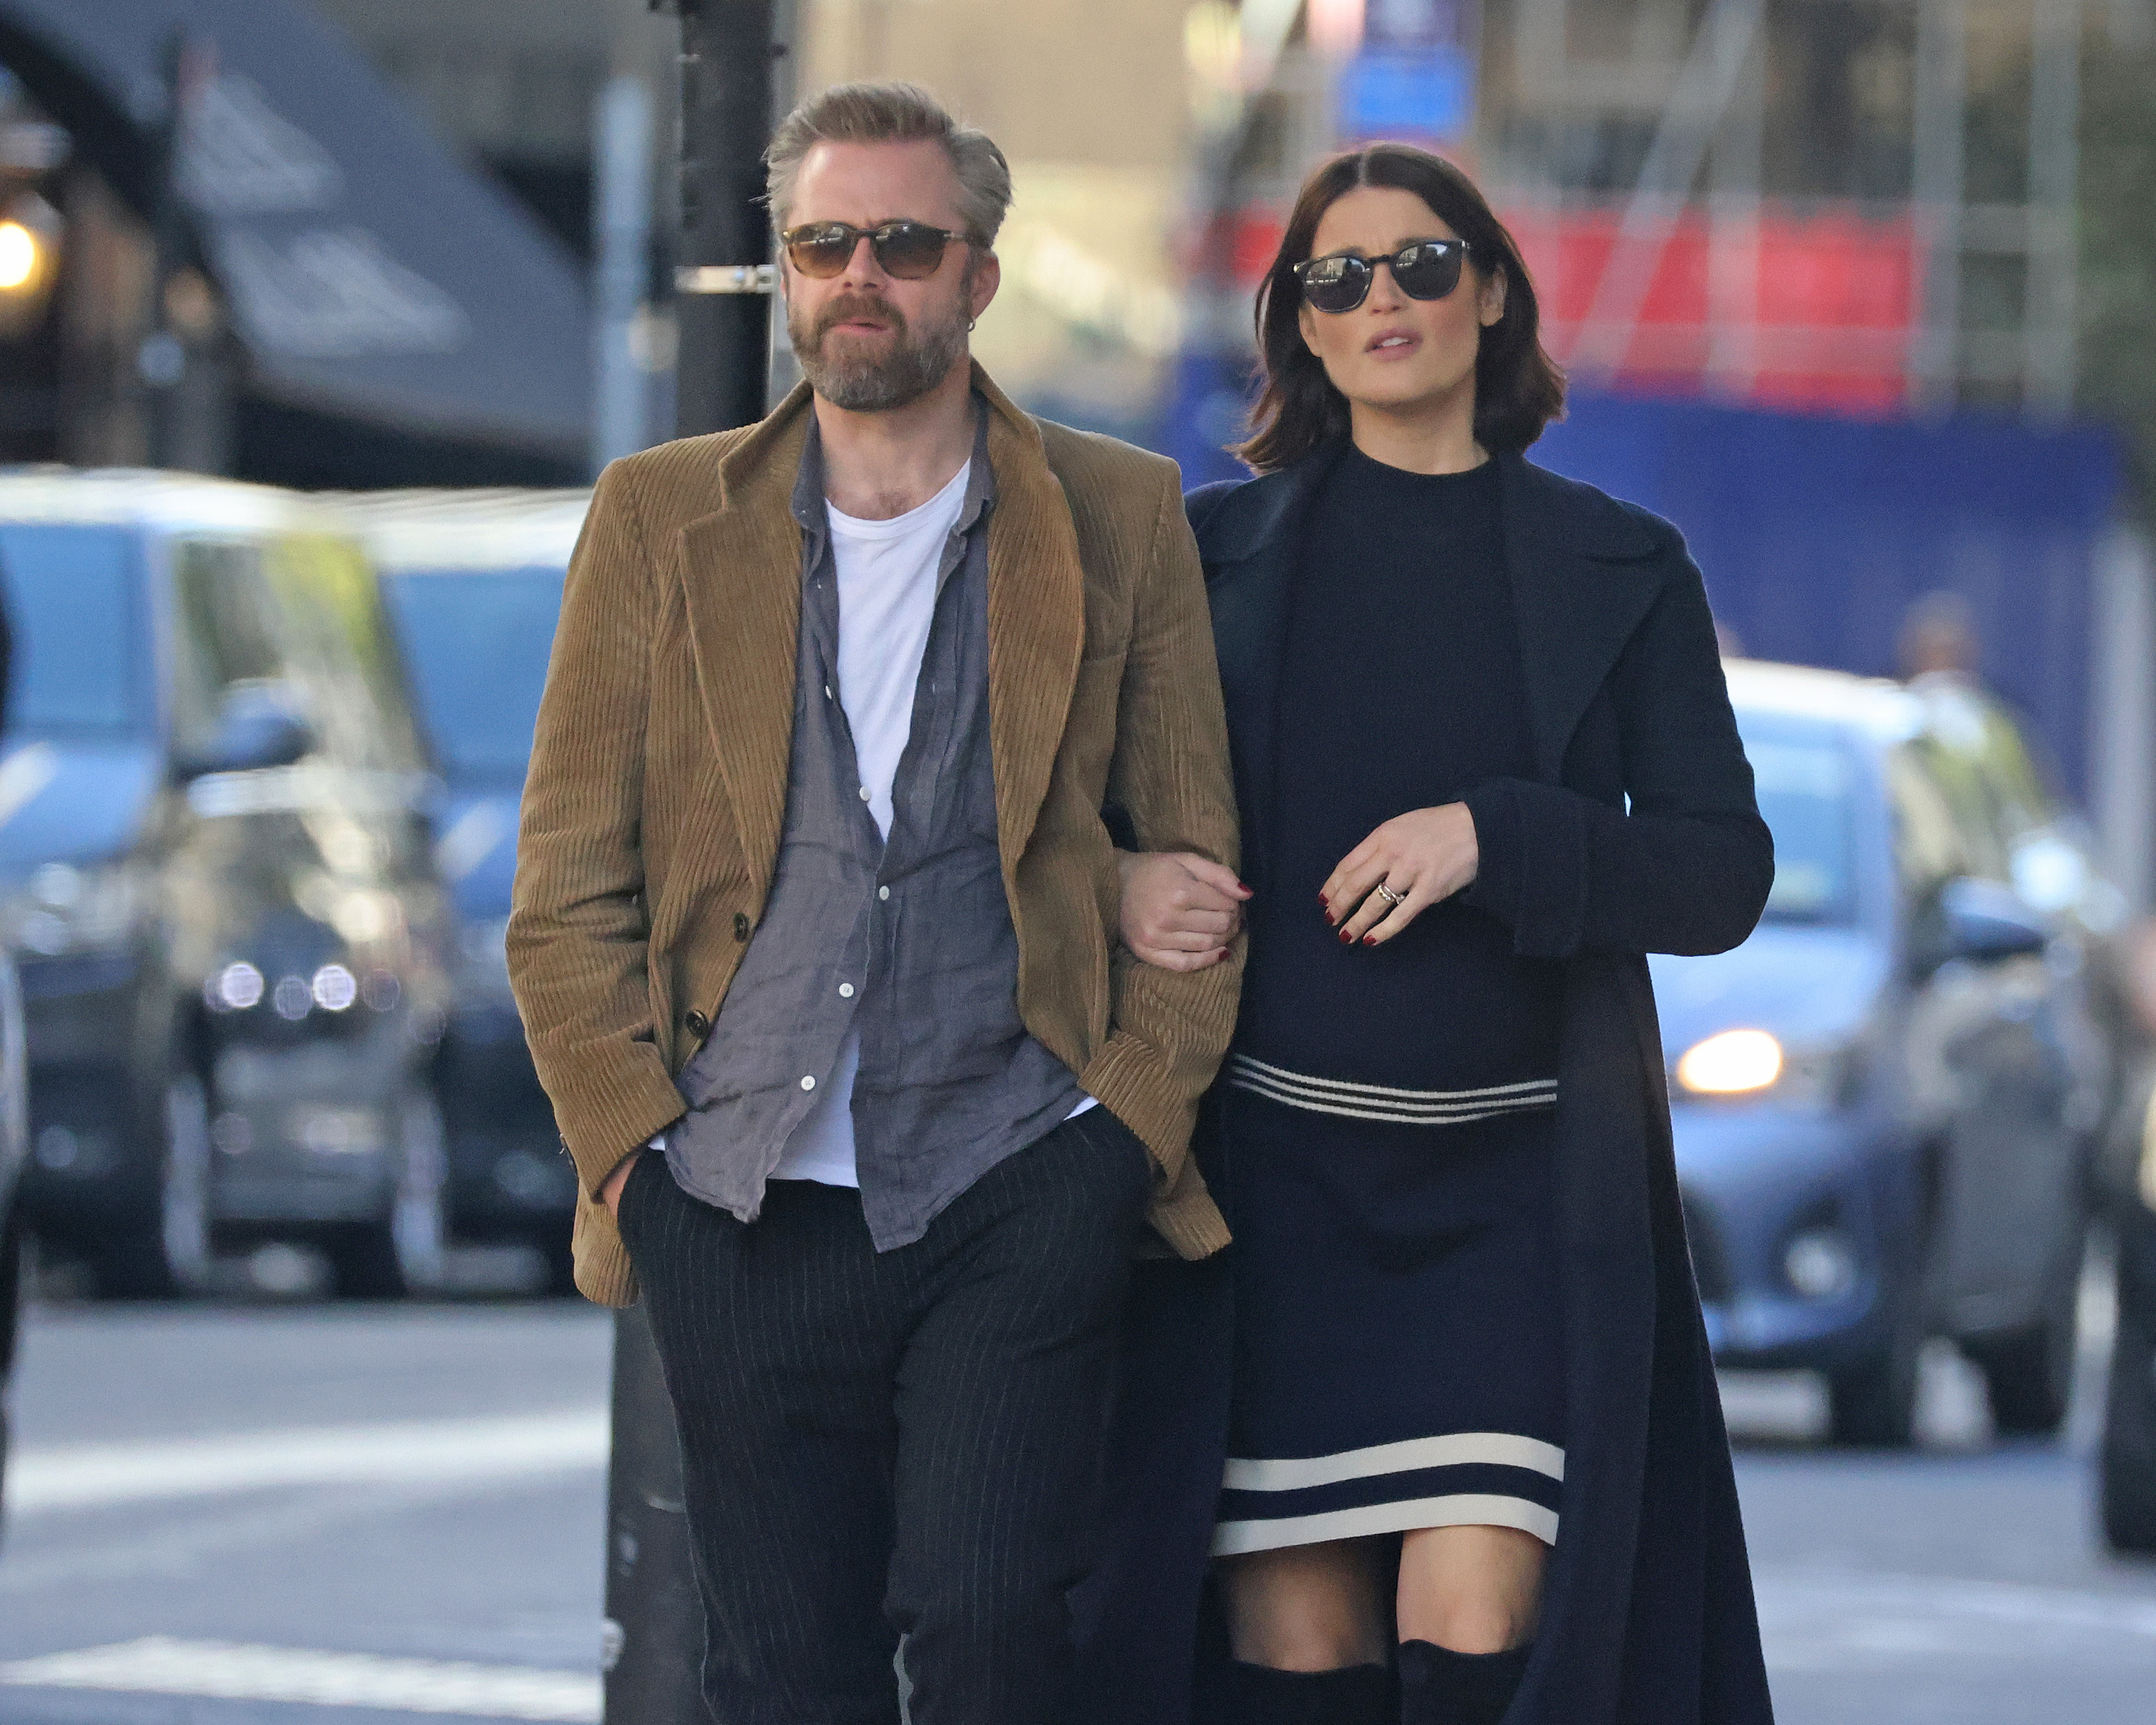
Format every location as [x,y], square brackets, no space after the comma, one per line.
[342,649]
[227,634]
[477,642]
[1804,780]
[74,598]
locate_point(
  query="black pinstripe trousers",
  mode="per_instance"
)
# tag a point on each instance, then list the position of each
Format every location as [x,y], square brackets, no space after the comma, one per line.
[896,1443]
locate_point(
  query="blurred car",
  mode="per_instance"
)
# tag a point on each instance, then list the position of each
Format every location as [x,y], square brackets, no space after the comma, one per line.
[216,879]
[473,585]
[1884,1100]
[14,1153]
[2127,1463]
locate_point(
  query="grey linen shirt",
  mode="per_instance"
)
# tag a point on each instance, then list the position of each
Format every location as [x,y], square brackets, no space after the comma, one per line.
[908,942]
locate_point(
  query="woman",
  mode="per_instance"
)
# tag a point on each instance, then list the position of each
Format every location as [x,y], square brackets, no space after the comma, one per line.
[1475,1463]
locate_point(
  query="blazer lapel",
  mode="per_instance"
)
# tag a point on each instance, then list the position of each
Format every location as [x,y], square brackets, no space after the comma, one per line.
[1036,619]
[741,574]
[1583,573]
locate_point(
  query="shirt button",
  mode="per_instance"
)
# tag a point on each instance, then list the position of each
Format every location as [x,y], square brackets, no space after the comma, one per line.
[846,991]
[741,925]
[697,1025]
[883,892]
[864,794]
[828,695]
[809,1082]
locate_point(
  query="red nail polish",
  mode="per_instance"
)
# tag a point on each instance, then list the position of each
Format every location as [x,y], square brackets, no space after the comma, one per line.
[1369,940]
[1346,938]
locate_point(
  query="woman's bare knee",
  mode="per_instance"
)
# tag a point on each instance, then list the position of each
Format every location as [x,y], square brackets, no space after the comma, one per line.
[1306,1608]
[1472,1589]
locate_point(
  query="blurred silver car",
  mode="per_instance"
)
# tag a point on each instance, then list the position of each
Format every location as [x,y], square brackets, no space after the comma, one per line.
[1885,1101]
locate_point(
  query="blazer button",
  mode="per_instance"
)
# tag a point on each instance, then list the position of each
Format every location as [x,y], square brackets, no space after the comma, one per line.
[741,925]
[697,1025]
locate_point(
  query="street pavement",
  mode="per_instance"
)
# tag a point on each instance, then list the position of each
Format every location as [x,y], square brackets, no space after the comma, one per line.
[294,1514]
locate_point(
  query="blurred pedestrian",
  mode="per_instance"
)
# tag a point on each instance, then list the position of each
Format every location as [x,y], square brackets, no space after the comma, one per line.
[1938,638]
[1474,1458]
[814,899]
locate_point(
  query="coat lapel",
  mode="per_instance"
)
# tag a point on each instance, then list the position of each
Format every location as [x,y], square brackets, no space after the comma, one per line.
[1583,573]
[1036,619]
[741,575]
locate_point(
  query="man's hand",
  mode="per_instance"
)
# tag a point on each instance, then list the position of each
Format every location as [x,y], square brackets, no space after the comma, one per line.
[1179,910]
[1423,856]
[610,1193]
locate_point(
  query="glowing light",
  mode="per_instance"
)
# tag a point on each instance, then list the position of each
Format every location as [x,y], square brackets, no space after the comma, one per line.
[19,256]
[1730,1063]
[334,988]
[237,987]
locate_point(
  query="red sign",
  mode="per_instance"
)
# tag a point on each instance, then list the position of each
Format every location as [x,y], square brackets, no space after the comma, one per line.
[1813,310]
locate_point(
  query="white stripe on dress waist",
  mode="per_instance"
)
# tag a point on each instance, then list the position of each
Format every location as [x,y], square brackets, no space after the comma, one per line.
[1378,1101]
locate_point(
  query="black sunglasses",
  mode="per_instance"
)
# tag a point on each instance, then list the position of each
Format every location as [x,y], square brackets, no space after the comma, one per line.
[912,251]
[1427,269]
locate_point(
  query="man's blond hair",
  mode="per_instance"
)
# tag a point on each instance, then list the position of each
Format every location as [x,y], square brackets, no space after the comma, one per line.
[892,113]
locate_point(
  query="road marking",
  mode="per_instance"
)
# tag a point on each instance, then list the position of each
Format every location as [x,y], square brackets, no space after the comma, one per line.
[229,1671]
[425,1452]
[1821,1619]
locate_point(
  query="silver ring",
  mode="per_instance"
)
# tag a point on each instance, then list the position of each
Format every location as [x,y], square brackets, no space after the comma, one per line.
[1390,897]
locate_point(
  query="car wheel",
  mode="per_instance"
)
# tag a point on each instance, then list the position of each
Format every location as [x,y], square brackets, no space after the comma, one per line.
[168,1255]
[1872,1403]
[2030,1374]
[403,1251]
[2127,1468]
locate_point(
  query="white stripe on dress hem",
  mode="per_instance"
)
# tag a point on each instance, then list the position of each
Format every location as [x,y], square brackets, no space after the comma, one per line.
[1243,1064]
[1464,1509]
[1376,1102]
[1383,1114]
[1459,1448]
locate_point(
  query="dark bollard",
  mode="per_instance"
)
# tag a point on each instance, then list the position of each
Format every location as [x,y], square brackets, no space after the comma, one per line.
[654,1624]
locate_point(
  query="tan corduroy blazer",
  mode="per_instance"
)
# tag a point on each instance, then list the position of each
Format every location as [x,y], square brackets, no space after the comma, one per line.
[652,814]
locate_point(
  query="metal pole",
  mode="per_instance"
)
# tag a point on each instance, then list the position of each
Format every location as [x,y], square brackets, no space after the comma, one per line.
[2054,175]
[654,1638]
[622,138]
[1941,98]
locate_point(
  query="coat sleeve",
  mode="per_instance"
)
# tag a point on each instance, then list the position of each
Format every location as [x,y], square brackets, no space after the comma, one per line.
[1169,778]
[1687,868]
[577,952]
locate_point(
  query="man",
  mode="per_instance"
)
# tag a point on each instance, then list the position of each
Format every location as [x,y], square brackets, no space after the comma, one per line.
[815,902]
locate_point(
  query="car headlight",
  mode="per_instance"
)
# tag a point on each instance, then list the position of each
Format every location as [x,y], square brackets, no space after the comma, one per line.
[1730,1063]
[66,908]
[1756,1063]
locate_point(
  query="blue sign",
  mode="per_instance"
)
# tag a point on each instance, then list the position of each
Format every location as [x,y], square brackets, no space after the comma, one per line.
[1429,95]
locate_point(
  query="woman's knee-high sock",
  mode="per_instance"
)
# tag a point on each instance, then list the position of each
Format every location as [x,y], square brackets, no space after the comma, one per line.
[1357,1695]
[1439,1686]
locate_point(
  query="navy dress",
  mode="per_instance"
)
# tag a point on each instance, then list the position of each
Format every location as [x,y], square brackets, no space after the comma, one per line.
[1399,1349]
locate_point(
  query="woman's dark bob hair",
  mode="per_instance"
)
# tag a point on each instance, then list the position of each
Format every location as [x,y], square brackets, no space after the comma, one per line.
[1518,388]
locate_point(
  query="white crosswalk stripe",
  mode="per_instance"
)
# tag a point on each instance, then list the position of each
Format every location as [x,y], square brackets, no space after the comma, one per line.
[229,1671]
[426,1452]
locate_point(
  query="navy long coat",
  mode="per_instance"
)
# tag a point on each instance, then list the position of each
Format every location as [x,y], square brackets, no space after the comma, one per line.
[1637,834]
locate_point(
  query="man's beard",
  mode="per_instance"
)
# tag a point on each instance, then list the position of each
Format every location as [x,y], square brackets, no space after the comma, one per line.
[906,370]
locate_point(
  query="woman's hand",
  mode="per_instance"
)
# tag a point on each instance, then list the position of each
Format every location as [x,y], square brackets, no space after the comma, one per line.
[1423,856]
[1179,910]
